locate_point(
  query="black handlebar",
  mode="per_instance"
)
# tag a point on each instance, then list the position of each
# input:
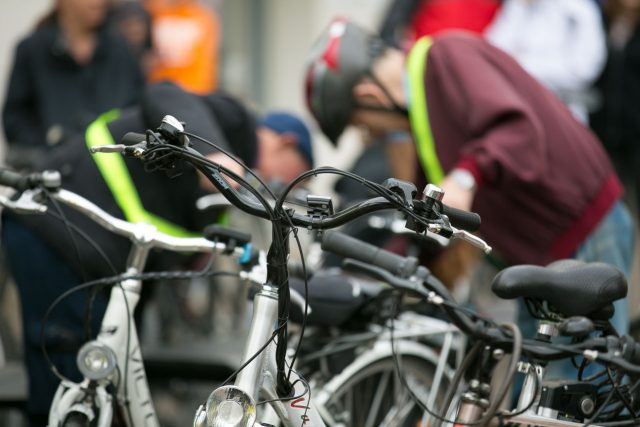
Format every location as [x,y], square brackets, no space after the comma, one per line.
[349,247]
[16,180]
[469,221]
[254,208]
[132,138]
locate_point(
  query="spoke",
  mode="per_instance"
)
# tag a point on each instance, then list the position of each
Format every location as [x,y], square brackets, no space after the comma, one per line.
[393,416]
[349,406]
[377,399]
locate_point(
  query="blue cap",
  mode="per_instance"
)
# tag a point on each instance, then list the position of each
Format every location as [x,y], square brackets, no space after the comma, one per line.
[281,122]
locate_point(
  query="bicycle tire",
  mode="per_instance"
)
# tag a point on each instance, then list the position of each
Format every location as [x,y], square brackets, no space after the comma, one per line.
[76,419]
[356,402]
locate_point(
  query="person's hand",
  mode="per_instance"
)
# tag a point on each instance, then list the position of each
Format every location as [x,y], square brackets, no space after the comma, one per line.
[228,163]
[456,194]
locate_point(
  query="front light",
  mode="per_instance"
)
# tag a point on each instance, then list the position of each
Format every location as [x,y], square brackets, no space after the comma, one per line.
[229,406]
[96,361]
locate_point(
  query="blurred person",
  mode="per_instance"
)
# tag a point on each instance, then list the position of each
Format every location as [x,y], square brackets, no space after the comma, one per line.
[408,20]
[490,135]
[132,21]
[169,204]
[65,73]
[405,22]
[284,147]
[616,119]
[186,39]
[560,43]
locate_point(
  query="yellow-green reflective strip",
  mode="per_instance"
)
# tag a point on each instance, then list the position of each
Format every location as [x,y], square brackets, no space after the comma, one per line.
[116,175]
[418,114]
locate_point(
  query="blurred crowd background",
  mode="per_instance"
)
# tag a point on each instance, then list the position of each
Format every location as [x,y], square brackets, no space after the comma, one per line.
[261,47]
[585,51]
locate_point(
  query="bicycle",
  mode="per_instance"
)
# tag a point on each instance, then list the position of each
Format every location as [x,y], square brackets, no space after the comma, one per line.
[266,370]
[346,349]
[113,359]
[593,288]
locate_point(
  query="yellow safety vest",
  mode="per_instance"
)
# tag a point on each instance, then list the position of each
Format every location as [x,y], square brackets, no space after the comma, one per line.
[418,113]
[116,175]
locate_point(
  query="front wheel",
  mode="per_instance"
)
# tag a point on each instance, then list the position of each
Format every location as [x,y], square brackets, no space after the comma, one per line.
[377,396]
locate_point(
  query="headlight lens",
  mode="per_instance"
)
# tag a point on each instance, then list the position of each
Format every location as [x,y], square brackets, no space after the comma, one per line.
[229,406]
[96,361]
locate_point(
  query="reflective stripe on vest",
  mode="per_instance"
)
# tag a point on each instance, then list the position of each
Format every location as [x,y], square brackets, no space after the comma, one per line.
[116,175]
[418,114]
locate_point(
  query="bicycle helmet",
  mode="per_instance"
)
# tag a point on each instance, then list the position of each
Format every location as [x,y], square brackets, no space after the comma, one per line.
[340,57]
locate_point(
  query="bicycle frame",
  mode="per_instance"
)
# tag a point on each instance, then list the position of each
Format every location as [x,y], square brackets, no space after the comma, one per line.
[531,417]
[258,378]
[470,410]
[118,331]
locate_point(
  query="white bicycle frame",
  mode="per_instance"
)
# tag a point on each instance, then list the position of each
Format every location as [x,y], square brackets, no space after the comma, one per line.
[258,379]
[118,331]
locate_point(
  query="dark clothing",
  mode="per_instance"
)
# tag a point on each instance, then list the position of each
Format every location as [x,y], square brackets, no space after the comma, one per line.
[44,241]
[545,182]
[51,98]
[38,288]
[171,199]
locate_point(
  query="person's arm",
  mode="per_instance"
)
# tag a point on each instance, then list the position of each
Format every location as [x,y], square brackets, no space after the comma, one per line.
[505,138]
[401,154]
[21,125]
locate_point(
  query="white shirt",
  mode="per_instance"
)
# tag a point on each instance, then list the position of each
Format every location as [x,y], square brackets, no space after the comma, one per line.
[559,42]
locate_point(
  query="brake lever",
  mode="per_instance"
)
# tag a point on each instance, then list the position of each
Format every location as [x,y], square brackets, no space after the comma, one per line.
[472,239]
[114,148]
[25,204]
[135,150]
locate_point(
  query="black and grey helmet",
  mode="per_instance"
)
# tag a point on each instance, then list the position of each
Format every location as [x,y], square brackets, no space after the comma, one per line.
[341,56]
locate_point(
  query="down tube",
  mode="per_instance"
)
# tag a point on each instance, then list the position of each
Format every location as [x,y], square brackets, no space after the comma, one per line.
[116,334]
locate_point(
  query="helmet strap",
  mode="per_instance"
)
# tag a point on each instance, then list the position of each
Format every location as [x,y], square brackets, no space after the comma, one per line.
[395,107]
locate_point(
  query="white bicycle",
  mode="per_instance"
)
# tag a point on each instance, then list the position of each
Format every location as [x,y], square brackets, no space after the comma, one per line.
[113,358]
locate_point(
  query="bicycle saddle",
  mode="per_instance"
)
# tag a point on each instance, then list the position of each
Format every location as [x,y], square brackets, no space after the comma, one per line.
[333,298]
[573,288]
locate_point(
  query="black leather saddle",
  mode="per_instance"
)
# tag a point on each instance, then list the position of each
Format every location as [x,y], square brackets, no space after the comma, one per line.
[334,298]
[572,288]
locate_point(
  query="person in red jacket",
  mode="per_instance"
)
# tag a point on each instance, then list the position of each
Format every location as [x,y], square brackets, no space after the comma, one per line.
[408,20]
[485,131]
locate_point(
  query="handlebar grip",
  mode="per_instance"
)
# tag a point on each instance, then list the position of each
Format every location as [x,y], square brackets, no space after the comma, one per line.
[469,221]
[347,246]
[132,138]
[13,179]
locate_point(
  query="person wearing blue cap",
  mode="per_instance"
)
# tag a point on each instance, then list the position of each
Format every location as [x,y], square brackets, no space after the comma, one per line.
[284,147]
